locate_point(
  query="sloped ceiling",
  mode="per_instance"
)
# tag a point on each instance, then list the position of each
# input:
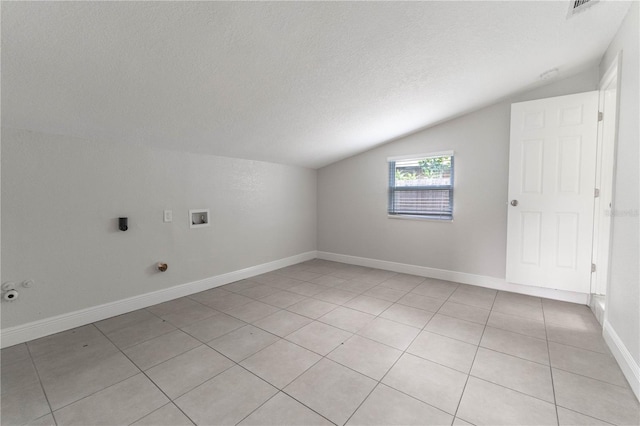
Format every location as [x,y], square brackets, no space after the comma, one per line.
[301,83]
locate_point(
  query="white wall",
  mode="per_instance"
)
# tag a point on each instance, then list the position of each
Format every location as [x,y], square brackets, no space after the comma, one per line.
[623,294]
[352,194]
[61,198]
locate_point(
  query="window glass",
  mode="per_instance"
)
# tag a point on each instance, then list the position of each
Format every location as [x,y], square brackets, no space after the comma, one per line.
[422,186]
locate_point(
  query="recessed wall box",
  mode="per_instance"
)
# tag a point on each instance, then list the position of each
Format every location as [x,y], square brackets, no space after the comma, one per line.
[198,218]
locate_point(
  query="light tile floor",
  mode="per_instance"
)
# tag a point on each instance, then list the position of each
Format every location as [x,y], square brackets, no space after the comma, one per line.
[325,343]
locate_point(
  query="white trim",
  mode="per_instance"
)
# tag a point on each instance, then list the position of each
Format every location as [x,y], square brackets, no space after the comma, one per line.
[419,156]
[460,277]
[605,179]
[417,217]
[628,365]
[33,330]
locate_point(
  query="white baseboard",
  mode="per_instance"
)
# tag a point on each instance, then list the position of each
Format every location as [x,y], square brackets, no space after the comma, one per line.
[628,365]
[36,329]
[460,277]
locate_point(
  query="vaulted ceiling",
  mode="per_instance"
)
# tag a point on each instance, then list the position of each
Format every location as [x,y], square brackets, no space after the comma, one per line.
[302,83]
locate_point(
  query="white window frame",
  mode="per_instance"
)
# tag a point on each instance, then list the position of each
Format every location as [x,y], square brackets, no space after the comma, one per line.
[392,188]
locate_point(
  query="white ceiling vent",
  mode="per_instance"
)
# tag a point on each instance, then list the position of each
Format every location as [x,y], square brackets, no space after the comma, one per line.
[577,6]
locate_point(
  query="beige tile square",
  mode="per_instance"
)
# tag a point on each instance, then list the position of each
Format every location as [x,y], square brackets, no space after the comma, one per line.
[517,325]
[586,363]
[284,410]
[518,308]
[225,301]
[613,404]
[465,312]
[46,420]
[312,308]
[167,415]
[579,337]
[134,398]
[365,356]
[421,302]
[435,288]
[140,332]
[13,354]
[109,325]
[355,286]
[70,344]
[280,363]
[347,319]
[243,342]
[390,333]
[336,296]
[329,281]
[283,299]
[443,350]
[307,289]
[367,304]
[226,399]
[68,382]
[407,315]
[570,315]
[210,328]
[281,282]
[514,373]
[387,406]
[474,296]
[259,291]
[252,311]
[485,403]
[14,409]
[385,293]
[427,381]
[516,344]
[400,285]
[331,390]
[184,317]
[319,338]
[455,328]
[282,323]
[302,275]
[19,374]
[517,298]
[184,372]
[571,418]
[152,352]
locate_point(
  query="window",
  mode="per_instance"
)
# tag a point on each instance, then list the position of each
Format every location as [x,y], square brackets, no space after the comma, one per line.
[422,186]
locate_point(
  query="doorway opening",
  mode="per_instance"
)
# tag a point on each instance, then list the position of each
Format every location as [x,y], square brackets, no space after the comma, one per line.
[605,165]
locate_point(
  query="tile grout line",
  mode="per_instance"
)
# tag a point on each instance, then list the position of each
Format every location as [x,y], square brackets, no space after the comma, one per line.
[553,386]
[398,359]
[46,397]
[148,378]
[474,358]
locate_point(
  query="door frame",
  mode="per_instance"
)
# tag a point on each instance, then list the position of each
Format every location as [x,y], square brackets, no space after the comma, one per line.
[605,180]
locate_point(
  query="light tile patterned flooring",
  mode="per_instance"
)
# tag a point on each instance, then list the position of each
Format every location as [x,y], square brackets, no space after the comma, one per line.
[321,343]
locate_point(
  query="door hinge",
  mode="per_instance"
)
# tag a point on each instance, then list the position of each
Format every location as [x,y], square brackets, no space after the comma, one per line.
[593,267]
[596,192]
[600,116]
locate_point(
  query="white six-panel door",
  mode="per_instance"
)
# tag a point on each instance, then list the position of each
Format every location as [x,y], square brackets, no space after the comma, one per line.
[552,163]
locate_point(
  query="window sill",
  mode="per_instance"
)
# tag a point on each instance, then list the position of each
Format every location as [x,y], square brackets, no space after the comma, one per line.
[419,218]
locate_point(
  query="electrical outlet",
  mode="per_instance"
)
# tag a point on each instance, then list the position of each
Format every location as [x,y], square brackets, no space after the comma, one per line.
[168,216]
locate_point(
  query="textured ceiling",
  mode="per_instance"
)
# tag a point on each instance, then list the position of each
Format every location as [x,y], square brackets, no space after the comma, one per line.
[303,83]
